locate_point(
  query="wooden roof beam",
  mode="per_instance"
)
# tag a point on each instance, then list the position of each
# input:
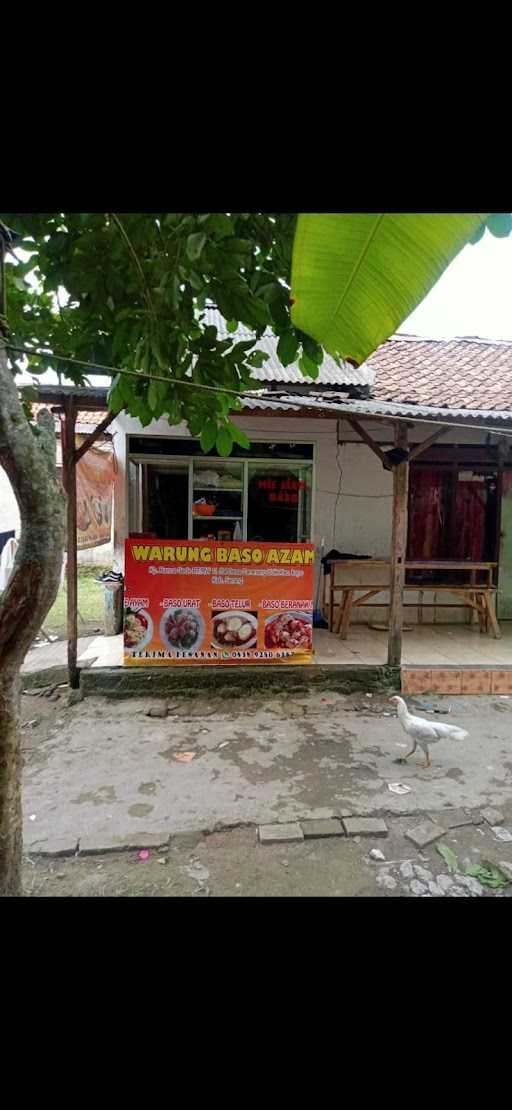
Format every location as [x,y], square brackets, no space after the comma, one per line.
[421,447]
[94,435]
[371,443]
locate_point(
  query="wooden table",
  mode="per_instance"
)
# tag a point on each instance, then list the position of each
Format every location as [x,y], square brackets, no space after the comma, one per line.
[477,595]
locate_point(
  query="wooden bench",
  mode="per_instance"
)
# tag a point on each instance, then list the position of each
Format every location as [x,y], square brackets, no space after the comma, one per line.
[481,600]
[479,597]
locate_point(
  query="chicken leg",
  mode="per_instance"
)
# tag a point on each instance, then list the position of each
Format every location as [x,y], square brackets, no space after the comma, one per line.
[408,755]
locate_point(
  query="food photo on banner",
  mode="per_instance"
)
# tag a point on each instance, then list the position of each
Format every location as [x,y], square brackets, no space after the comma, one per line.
[218,602]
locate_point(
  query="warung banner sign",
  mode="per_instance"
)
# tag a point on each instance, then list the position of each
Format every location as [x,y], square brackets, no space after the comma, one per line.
[210,602]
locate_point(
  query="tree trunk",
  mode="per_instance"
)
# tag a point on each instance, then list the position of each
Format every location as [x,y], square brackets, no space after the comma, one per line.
[27,453]
[11,825]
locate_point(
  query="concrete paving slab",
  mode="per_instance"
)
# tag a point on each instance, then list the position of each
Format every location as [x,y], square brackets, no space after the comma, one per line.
[277,834]
[325,827]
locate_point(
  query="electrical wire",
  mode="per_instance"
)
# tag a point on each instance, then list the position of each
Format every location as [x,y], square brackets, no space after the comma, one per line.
[244,394]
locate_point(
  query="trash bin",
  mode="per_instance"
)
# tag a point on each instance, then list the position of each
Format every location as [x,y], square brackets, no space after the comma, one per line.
[114,598]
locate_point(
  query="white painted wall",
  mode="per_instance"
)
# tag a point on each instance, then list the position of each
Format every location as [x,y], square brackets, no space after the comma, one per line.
[352,499]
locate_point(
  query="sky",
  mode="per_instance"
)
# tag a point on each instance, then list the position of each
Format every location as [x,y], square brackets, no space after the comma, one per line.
[473,297]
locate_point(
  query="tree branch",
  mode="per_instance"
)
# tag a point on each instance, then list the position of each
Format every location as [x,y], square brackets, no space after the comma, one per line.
[136,260]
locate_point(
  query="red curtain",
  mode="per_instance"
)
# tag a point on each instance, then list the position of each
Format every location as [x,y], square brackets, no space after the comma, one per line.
[432,535]
[470,520]
[429,501]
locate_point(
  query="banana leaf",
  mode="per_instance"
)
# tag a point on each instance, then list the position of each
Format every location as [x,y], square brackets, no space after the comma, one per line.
[357,276]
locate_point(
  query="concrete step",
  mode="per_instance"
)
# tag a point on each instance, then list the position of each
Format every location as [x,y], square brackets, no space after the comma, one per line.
[125,682]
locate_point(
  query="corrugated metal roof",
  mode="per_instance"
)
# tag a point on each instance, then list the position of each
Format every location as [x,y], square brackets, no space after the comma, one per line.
[274,371]
[467,373]
[334,404]
[324,405]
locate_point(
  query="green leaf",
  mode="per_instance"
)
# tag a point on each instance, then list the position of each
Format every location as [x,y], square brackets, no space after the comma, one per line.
[488,874]
[115,399]
[500,224]
[195,244]
[237,352]
[313,350]
[231,325]
[153,397]
[257,312]
[257,358]
[478,234]
[224,442]
[238,436]
[357,276]
[308,367]
[449,857]
[174,412]
[196,280]
[288,347]
[208,436]
[237,246]
[220,225]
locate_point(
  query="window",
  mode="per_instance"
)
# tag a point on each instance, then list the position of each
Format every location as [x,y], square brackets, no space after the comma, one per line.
[279,502]
[261,498]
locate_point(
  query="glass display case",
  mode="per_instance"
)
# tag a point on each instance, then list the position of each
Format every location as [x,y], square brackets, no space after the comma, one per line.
[217,499]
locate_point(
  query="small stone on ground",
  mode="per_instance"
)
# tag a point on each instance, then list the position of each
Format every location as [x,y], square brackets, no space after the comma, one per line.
[158,710]
[445,882]
[386,880]
[475,888]
[418,888]
[422,873]
[492,816]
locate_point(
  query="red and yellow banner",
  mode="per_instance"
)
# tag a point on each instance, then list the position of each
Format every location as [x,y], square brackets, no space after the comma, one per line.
[211,602]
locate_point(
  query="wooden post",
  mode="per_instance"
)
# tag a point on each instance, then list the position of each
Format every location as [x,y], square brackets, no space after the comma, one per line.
[398,551]
[69,474]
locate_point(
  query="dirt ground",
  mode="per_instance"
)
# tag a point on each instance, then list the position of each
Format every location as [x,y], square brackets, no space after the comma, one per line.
[99,768]
[233,864]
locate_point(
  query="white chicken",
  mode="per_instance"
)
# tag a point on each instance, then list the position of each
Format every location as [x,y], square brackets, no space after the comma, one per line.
[424,733]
